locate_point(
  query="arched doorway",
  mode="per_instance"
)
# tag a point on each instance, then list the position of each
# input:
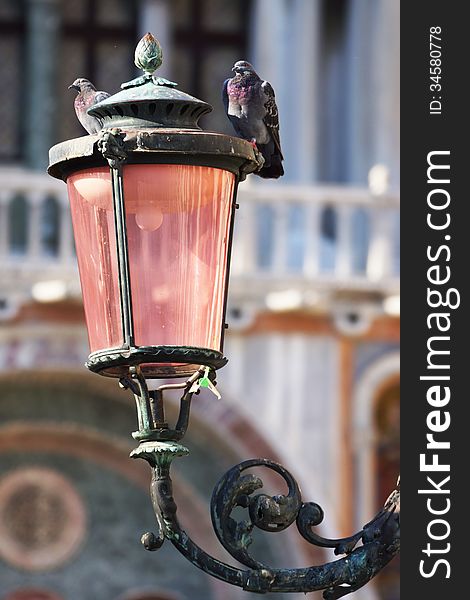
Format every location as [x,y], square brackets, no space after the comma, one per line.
[376,444]
[387,447]
[387,461]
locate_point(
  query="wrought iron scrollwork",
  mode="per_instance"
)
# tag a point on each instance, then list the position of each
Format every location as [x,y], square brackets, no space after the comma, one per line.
[274,513]
[366,552]
[363,554]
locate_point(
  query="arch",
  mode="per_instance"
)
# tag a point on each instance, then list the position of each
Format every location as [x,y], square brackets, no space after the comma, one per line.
[112,454]
[380,375]
[375,378]
[387,465]
[229,434]
[387,442]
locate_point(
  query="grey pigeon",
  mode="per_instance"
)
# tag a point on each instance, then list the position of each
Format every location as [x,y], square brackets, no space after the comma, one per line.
[87,96]
[251,107]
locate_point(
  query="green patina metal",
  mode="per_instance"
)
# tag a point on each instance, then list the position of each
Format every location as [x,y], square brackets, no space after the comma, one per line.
[380,538]
[159,454]
[150,121]
[148,54]
[365,553]
[150,101]
[150,104]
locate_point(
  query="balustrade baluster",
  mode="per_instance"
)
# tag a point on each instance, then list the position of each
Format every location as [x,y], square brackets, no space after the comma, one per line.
[280,232]
[311,265]
[344,241]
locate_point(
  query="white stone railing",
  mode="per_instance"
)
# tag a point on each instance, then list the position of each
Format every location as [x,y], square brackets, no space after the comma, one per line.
[278,241]
[36,239]
[285,239]
[35,188]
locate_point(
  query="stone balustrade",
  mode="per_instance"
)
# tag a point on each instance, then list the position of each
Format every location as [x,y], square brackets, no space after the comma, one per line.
[294,238]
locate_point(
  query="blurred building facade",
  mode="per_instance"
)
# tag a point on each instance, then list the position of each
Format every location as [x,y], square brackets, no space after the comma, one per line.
[313,373]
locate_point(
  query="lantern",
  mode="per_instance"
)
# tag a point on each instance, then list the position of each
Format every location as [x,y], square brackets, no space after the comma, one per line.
[152,200]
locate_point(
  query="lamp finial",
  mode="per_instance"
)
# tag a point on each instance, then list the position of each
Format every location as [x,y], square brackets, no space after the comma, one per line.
[148,54]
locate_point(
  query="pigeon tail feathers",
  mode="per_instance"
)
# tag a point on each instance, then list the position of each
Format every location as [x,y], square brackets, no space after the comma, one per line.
[274,170]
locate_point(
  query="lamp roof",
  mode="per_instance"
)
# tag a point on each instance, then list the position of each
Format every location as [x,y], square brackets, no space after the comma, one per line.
[148,100]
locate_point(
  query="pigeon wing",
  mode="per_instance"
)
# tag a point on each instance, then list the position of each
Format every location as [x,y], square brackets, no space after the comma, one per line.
[100,96]
[90,123]
[271,118]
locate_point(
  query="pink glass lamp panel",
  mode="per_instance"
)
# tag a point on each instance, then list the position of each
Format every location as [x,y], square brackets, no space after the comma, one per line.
[90,194]
[178,222]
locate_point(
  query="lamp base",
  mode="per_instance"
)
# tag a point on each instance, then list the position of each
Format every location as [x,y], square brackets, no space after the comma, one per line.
[156,452]
[156,362]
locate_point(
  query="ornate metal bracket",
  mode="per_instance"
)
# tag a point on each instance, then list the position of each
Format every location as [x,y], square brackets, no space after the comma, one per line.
[111,145]
[150,406]
[365,553]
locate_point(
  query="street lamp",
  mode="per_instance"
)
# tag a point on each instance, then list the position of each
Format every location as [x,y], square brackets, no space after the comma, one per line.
[153,199]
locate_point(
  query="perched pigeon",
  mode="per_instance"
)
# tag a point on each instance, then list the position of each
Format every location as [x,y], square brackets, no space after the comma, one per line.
[251,107]
[87,96]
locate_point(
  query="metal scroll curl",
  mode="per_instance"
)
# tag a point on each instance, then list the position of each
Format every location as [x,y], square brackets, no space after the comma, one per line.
[379,539]
[270,513]
[364,554]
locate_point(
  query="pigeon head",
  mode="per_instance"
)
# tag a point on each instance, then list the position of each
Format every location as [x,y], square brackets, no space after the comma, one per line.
[242,66]
[81,84]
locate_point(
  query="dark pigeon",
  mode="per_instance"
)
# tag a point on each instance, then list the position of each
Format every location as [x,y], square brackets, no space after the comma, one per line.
[87,96]
[251,107]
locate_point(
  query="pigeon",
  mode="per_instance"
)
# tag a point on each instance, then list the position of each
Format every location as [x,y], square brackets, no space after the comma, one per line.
[87,96]
[251,107]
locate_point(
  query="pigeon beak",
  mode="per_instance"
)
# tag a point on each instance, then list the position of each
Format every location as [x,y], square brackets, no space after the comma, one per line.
[234,68]
[74,87]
